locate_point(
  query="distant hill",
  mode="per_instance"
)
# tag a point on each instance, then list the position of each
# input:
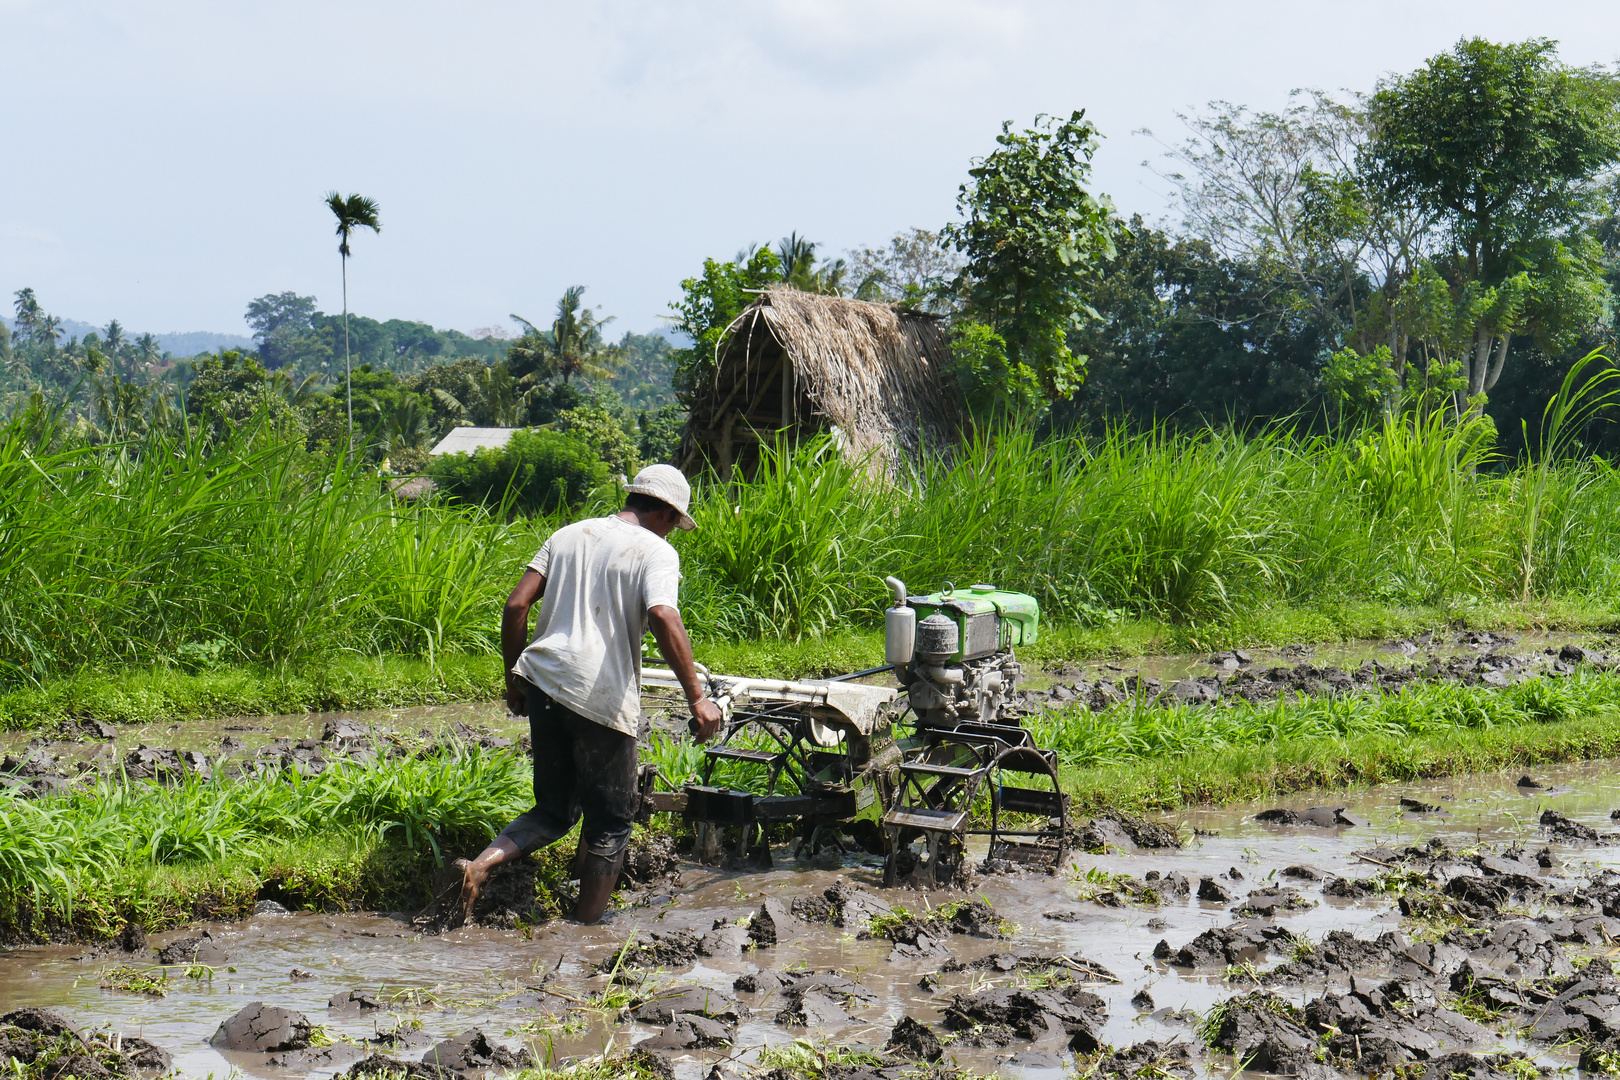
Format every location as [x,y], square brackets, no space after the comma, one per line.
[196,341]
[192,342]
[176,343]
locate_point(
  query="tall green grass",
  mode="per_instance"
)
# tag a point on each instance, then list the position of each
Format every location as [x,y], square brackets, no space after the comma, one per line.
[58,853]
[191,553]
[186,551]
[1187,528]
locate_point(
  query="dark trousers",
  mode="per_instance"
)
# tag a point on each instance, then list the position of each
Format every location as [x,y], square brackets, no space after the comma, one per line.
[581,769]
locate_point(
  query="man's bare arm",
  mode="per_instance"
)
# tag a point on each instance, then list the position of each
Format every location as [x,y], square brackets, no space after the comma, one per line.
[670,633]
[515,635]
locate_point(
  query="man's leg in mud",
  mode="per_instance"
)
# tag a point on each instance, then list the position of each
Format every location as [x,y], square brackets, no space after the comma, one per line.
[555,806]
[605,761]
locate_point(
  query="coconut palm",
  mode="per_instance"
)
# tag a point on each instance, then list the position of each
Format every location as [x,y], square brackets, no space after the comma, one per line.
[355,212]
[120,409]
[798,256]
[574,345]
[487,397]
[299,393]
[114,344]
[406,425]
[27,308]
[45,331]
[799,269]
[148,350]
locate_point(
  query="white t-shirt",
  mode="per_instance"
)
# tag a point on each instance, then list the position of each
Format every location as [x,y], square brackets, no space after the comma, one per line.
[602,575]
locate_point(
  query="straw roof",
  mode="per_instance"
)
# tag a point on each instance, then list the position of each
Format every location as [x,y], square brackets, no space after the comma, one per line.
[799,363]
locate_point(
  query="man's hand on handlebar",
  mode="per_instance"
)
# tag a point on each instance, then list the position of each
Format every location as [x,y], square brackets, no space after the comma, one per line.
[706,720]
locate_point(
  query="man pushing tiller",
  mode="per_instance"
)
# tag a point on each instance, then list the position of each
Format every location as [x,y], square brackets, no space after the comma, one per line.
[604,583]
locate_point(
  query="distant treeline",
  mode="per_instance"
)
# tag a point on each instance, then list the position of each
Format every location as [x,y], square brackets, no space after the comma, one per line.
[1448,243]
[411,383]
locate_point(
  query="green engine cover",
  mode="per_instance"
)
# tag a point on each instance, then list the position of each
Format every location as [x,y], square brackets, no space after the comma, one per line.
[1017,618]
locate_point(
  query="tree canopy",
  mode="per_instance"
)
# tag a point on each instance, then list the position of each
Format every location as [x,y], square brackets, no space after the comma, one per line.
[1503,144]
[1030,231]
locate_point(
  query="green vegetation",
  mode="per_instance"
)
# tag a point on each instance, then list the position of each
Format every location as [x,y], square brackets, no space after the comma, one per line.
[153,982]
[1376,324]
[194,551]
[191,551]
[1029,233]
[804,1057]
[1209,1027]
[412,383]
[1146,758]
[359,833]
[536,472]
[354,213]
[166,693]
[1142,730]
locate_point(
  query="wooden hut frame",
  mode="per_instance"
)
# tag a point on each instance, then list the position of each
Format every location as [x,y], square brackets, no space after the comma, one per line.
[796,363]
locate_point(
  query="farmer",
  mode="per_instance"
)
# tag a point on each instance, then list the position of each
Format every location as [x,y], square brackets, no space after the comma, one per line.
[605,582]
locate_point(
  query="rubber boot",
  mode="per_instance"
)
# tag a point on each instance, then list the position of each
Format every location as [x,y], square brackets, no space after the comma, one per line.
[595,890]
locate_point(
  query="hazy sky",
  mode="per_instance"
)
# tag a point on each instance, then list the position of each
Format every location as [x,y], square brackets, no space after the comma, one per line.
[164,162]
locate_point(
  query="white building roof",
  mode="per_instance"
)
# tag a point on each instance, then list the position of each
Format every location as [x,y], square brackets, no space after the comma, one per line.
[464,440]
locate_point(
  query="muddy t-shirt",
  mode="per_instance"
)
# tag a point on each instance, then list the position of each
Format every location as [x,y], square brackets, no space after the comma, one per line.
[602,576]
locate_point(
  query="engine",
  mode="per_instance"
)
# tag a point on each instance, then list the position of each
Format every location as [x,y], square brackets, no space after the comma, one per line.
[953,650]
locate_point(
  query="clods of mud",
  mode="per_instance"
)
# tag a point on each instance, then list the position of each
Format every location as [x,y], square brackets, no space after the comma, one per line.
[85,752]
[1474,942]
[41,1042]
[1469,658]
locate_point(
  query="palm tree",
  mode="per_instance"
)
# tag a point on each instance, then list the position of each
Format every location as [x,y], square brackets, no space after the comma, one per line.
[45,331]
[147,348]
[575,345]
[114,343]
[27,308]
[299,393]
[121,409]
[355,212]
[406,425]
[799,268]
[487,397]
[798,257]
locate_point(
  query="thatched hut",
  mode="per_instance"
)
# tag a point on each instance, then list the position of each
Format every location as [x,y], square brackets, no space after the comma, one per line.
[795,363]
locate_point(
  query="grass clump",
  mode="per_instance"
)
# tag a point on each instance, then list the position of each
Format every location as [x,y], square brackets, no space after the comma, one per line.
[87,862]
[1209,1027]
[1098,885]
[811,1060]
[1148,757]
[1142,729]
[153,982]
[633,1065]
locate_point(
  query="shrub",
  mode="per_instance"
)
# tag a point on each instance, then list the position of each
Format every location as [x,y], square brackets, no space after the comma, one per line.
[602,431]
[660,433]
[544,471]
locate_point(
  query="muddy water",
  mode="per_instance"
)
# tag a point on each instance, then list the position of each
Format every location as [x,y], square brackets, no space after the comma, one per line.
[523,988]
[427,722]
[1345,655]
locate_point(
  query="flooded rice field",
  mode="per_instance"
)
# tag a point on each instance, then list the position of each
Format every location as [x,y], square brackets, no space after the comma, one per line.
[1122,948]
[1470,657]
[1390,929]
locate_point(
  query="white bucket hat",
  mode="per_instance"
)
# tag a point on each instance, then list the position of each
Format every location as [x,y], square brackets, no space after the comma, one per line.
[667,483]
